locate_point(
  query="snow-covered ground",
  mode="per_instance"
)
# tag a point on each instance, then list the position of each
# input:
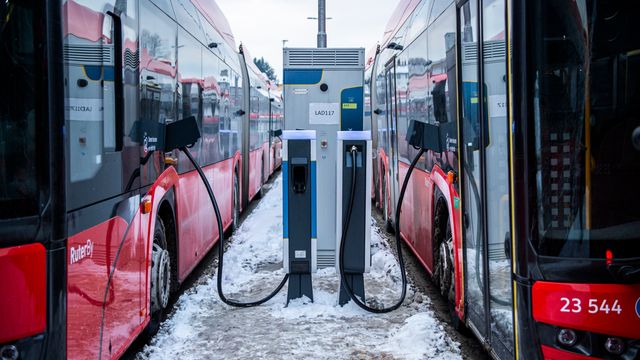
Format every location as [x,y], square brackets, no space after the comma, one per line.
[203,327]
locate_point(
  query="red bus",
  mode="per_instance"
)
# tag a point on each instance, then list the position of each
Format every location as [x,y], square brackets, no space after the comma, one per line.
[98,227]
[525,211]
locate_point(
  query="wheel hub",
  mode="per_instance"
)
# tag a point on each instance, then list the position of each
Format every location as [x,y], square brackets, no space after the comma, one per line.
[160,278]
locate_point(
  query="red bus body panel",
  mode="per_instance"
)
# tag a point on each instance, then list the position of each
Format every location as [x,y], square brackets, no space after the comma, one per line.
[87,276]
[197,227]
[274,154]
[417,214]
[585,307]
[416,221]
[23,301]
[255,172]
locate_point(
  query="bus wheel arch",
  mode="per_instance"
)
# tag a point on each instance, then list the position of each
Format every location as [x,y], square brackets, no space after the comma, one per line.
[444,275]
[166,212]
[164,269]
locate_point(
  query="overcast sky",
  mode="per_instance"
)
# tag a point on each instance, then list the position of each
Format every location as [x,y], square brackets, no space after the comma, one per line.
[261,25]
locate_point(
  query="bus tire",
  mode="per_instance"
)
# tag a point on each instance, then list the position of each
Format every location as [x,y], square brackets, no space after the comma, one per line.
[444,271]
[161,276]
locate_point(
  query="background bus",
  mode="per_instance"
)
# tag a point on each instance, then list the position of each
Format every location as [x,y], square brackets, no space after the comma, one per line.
[98,226]
[515,213]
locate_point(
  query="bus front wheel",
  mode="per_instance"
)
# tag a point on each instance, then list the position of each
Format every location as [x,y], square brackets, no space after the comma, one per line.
[160,277]
[444,271]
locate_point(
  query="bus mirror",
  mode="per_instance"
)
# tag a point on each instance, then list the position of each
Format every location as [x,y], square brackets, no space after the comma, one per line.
[635,138]
[183,133]
[276,133]
[425,136]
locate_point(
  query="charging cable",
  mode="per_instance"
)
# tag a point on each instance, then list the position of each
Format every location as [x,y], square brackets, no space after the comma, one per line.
[216,210]
[345,228]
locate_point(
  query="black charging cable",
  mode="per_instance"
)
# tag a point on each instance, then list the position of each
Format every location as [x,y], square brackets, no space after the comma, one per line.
[345,228]
[216,210]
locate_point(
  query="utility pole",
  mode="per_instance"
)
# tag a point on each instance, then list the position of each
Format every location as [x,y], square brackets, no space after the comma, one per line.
[322,24]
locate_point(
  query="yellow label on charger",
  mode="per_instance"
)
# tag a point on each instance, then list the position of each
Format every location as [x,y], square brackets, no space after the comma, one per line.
[350,106]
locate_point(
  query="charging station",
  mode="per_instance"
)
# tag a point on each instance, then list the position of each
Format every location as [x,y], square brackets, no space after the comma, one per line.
[353,145]
[323,90]
[299,210]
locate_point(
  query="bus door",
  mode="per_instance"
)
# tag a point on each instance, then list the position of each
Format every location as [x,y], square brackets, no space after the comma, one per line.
[485,183]
[392,120]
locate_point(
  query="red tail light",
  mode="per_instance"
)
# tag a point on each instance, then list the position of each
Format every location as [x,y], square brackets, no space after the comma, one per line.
[609,256]
[23,299]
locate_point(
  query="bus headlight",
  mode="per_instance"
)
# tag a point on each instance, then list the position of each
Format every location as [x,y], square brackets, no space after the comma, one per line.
[567,337]
[9,352]
[614,345]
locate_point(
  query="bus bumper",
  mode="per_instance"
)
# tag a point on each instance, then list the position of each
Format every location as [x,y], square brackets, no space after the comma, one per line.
[587,321]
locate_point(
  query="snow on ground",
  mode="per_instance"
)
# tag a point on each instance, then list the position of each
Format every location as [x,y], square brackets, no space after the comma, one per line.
[203,327]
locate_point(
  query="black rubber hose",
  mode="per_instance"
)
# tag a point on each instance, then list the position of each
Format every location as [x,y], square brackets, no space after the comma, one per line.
[216,210]
[345,228]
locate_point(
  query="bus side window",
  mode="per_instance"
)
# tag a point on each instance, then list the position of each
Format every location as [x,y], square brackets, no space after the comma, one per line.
[236,124]
[189,94]
[211,108]
[91,102]
[442,88]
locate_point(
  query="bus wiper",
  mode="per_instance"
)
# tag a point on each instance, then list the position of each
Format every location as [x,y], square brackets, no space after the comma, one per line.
[629,273]
[626,274]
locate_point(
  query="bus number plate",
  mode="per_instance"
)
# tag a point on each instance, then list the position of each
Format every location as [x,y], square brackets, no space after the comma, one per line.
[592,306]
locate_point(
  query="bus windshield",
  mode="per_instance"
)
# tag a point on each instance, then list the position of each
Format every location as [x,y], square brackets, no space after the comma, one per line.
[586,130]
[18,181]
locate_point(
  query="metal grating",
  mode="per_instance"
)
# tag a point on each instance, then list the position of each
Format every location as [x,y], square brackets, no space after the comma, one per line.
[324,57]
[496,252]
[492,50]
[88,54]
[326,260]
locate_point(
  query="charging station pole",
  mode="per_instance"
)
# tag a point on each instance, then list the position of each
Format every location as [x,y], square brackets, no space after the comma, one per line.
[357,239]
[299,210]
